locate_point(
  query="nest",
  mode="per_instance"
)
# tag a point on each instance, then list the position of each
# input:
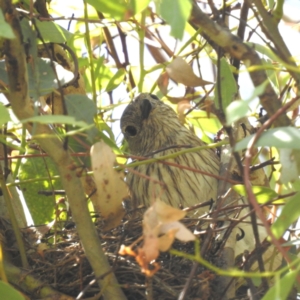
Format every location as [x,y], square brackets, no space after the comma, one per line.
[65,268]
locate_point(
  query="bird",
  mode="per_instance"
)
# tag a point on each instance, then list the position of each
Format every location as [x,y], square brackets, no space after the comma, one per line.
[152,130]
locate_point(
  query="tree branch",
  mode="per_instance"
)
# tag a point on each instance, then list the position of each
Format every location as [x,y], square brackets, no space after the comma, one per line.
[23,108]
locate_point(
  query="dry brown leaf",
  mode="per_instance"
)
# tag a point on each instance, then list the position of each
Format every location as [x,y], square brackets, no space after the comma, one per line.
[180,71]
[182,107]
[181,232]
[160,228]
[166,213]
[167,240]
[163,82]
[151,246]
[41,248]
[110,184]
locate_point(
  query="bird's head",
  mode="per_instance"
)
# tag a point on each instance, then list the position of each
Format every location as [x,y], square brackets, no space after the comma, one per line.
[148,124]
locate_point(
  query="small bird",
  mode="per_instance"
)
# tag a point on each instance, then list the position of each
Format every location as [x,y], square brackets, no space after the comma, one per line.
[152,129]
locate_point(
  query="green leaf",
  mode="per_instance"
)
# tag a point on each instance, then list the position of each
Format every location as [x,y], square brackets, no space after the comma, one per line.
[119,9]
[41,207]
[264,50]
[53,33]
[239,108]
[104,75]
[291,243]
[29,38]
[236,110]
[200,119]
[116,80]
[176,14]
[9,292]
[263,194]
[281,289]
[5,29]
[290,165]
[83,109]
[228,85]
[116,9]
[4,115]
[47,81]
[55,119]
[271,73]
[47,78]
[289,214]
[280,137]
[137,6]
[259,90]
[109,142]
[81,112]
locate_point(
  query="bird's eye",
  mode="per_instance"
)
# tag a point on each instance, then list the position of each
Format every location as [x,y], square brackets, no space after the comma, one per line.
[131,130]
[154,97]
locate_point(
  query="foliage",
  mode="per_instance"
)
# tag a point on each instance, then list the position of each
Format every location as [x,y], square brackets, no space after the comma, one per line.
[82,71]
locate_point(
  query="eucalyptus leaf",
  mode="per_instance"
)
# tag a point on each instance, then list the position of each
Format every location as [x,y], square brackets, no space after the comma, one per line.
[116,80]
[176,14]
[53,33]
[5,29]
[137,6]
[116,9]
[263,194]
[289,214]
[236,110]
[83,109]
[281,288]
[30,40]
[291,243]
[207,123]
[47,79]
[289,169]
[227,85]
[4,115]
[56,119]
[271,73]
[104,75]
[40,170]
[263,49]
[7,291]
[259,90]
[239,108]
[280,137]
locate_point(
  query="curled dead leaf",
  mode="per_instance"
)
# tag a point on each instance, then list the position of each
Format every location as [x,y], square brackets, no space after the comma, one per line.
[182,107]
[166,213]
[163,82]
[166,240]
[180,231]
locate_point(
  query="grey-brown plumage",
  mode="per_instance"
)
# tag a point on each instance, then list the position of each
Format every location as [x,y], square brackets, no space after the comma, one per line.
[149,126]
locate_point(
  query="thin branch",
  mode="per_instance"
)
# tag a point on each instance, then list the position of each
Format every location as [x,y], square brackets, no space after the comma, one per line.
[247,181]
[21,104]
